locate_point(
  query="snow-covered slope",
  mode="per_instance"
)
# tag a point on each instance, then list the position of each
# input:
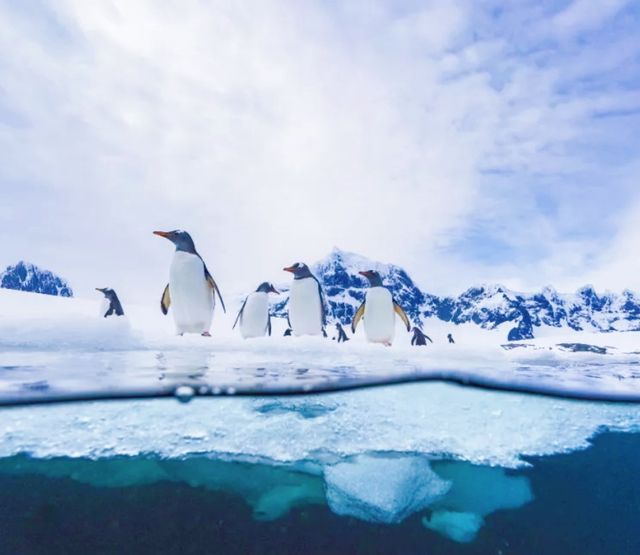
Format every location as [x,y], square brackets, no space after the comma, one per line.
[488,306]
[25,276]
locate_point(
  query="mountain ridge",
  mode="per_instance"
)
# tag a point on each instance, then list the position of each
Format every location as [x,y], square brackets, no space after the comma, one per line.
[25,276]
[488,305]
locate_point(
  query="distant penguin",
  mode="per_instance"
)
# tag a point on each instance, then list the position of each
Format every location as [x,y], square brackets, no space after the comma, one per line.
[287,332]
[450,338]
[307,312]
[191,289]
[254,317]
[378,310]
[419,338]
[112,304]
[342,336]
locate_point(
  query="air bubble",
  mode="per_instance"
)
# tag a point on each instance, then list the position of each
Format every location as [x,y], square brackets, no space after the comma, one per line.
[184,393]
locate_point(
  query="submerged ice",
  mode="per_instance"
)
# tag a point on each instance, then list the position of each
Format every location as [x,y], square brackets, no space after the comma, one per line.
[382,455]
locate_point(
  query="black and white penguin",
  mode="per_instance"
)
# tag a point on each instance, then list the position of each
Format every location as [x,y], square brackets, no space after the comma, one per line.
[254,317]
[111,303]
[419,338]
[378,310]
[307,311]
[191,289]
[342,336]
[450,338]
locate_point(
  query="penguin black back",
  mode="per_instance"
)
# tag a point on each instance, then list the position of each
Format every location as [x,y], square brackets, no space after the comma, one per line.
[419,338]
[114,303]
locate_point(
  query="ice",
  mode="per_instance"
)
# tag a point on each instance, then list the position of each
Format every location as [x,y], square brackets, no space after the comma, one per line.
[459,526]
[381,454]
[381,489]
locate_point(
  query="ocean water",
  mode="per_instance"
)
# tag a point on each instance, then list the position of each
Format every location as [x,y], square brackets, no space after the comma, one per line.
[583,502]
[177,452]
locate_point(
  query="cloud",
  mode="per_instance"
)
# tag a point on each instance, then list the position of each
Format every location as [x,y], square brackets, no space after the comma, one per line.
[275,130]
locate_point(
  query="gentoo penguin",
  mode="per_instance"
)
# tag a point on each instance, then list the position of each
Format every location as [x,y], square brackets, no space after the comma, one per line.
[342,336]
[419,338]
[378,311]
[191,289]
[112,303]
[254,317]
[307,312]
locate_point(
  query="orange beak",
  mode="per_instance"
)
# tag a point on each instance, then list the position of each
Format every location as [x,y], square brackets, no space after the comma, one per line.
[164,234]
[290,269]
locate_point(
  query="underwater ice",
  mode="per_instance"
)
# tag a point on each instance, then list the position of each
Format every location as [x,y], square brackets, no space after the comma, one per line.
[382,455]
[382,489]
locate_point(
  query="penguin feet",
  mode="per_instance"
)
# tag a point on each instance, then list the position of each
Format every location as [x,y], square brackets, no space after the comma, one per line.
[205,334]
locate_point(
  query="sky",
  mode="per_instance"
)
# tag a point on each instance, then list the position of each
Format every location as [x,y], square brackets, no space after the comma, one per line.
[469,141]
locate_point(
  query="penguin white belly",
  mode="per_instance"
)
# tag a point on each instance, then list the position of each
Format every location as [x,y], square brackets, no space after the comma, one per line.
[379,317]
[305,307]
[104,306]
[192,299]
[255,316]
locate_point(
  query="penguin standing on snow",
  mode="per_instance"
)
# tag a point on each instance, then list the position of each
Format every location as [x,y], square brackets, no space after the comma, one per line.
[307,312]
[342,336]
[378,310]
[419,338]
[254,317]
[112,303]
[191,289]
[450,338]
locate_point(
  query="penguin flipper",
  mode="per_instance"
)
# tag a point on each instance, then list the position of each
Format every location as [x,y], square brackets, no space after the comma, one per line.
[403,315]
[358,315]
[269,324]
[323,305]
[165,300]
[239,314]
[213,284]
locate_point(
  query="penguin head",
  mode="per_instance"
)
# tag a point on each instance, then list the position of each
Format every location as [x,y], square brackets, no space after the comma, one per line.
[106,291]
[416,330]
[266,287]
[299,270]
[374,277]
[181,239]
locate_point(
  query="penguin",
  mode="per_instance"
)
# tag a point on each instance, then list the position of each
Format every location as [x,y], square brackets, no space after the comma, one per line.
[378,311]
[191,288]
[419,338]
[450,338]
[307,312]
[254,317]
[342,336]
[112,303]
[287,332]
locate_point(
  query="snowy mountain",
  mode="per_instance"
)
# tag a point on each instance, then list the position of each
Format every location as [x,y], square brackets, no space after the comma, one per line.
[487,306]
[28,277]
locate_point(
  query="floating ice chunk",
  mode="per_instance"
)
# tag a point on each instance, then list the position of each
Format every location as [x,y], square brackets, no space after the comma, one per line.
[382,489]
[458,526]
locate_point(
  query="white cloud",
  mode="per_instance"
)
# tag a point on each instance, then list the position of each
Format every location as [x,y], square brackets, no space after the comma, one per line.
[272,131]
